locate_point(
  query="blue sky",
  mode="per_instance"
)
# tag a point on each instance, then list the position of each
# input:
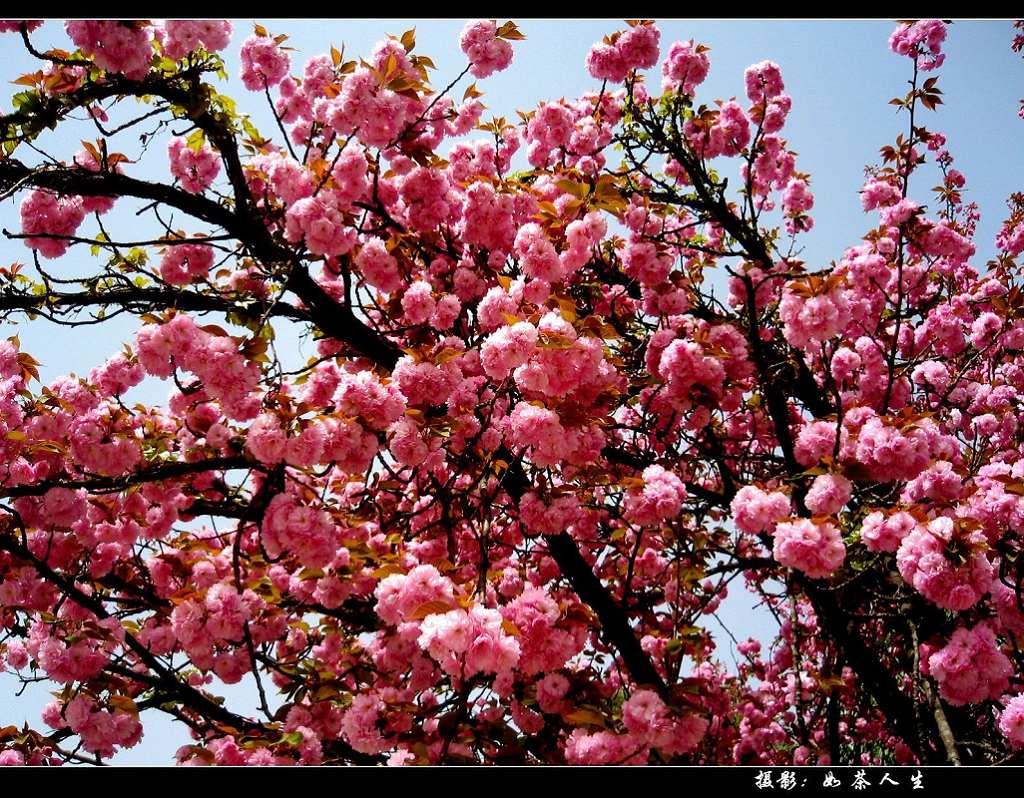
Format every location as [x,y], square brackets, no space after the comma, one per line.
[840,75]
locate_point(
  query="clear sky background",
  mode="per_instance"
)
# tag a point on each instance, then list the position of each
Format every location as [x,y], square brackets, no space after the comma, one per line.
[840,75]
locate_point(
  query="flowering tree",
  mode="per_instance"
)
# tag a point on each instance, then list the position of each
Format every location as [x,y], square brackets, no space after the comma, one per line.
[487,522]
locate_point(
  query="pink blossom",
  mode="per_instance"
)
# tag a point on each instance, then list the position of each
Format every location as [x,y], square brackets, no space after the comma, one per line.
[488,218]
[900,212]
[117,375]
[424,383]
[541,430]
[923,561]
[939,482]
[406,443]
[418,303]
[845,363]
[890,453]
[289,180]
[945,242]
[349,446]
[546,643]
[101,731]
[686,367]
[1011,721]
[815,548]
[363,394]
[635,48]
[399,596]
[602,748]
[292,527]
[797,197]
[264,63]
[360,726]
[99,446]
[17,655]
[828,494]
[754,510]
[728,136]
[124,46]
[686,66]
[428,200]
[537,253]
[660,499]
[551,691]
[195,168]
[508,348]
[1004,598]
[605,62]
[184,36]
[487,54]
[379,268]
[465,643]
[1011,238]
[921,40]
[809,321]
[226,374]
[14,25]
[970,668]
[643,262]
[44,214]
[984,329]
[933,375]
[351,183]
[763,81]
[549,517]
[647,718]
[377,113]
[638,46]
[877,193]
[885,533]
[319,222]
[186,263]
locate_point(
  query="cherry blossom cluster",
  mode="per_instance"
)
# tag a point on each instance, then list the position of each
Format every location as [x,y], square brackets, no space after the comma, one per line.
[492,510]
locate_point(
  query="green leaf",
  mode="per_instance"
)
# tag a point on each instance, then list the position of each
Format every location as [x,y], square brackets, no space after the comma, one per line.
[293,738]
[196,140]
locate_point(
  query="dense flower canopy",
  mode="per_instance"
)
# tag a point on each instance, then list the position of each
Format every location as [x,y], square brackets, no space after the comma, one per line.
[489,520]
